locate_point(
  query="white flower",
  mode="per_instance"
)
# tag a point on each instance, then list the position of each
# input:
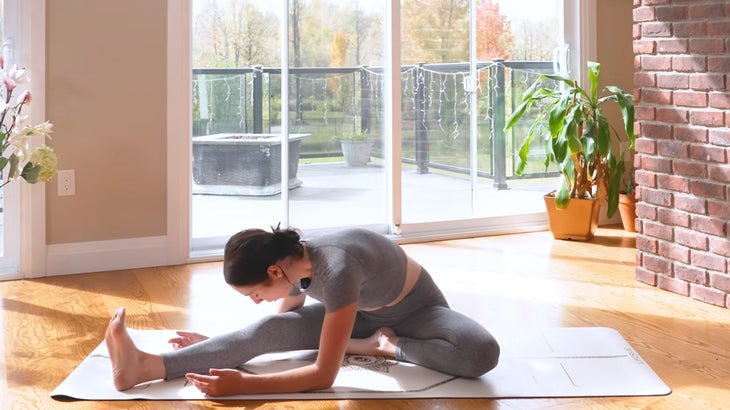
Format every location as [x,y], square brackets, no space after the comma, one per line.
[16,159]
[14,76]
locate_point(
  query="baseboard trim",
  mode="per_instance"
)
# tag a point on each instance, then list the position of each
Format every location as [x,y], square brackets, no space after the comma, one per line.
[98,256]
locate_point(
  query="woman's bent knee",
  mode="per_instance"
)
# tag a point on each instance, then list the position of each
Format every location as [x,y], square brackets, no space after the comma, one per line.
[485,357]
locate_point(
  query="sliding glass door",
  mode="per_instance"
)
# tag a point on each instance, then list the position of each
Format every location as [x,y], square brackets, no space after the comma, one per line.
[292,128]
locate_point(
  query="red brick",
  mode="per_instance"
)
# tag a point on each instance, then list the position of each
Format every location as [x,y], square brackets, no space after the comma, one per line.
[718,28]
[663,165]
[644,47]
[720,246]
[720,281]
[704,11]
[645,276]
[656,63]
[644,14]
[719,209]
[707,295]
[707,190]
[706,46]
[691,64]
[690,134]
[636,31]
[707,118]
[671,13]
[659,231]
[673,149]
[706,81]
[690,274]
[645,146]
[690,203]
[656,130]
[656,29]
[672,46]
[674,252]
[651,96]
[692,169]
[674,183]
[647,179]
[718,64]
[673,285]
[690,239]
[672,115]
[656,197]
[642,79]
[685,98]
[719,173]
[709,153]
[720,137]
[656,264]
[712,226]
[719,100]
[646,244]
[673,217]
[708,261]
[646,211]
[689,29]
[644,113]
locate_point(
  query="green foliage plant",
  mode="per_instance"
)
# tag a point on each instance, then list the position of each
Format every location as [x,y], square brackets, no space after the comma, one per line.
[355,136]
[578,136]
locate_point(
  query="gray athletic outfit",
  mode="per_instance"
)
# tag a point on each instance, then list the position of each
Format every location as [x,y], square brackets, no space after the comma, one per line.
[356,265]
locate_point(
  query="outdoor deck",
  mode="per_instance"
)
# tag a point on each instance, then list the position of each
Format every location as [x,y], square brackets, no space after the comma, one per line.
[333,194]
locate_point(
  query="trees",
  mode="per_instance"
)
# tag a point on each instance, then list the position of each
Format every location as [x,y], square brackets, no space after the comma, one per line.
[494,34]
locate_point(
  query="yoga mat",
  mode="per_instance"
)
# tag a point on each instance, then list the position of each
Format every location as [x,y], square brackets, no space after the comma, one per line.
[539,363]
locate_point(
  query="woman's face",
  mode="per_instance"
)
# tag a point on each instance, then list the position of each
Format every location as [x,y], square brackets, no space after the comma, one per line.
[276,287]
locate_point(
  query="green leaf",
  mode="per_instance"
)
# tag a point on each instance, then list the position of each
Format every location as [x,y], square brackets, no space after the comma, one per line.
[3,163]
[603,134]
[594,72]
[523,153]
[626,105]
[31,172]
[615,172]
[562,195]
[517,114]
[556,119]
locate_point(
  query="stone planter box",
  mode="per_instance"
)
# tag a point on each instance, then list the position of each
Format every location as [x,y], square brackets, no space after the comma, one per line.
[243,164]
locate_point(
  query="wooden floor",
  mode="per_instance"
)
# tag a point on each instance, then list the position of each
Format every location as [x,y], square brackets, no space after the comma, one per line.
[527,280]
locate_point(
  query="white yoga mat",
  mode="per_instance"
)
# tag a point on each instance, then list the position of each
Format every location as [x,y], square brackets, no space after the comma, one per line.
[554,362]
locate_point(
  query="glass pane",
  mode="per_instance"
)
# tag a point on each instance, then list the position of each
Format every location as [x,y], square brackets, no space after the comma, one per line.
[336,80]
[335,76]
[511,49]
[236,152]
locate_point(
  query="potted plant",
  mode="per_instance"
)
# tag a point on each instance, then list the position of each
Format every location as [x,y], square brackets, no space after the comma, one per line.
[579,144]
[356,148]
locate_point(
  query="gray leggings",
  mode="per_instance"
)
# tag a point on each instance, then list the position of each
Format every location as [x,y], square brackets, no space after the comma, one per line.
[430,334]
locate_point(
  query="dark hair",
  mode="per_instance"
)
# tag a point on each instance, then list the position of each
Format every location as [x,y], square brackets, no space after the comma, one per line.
[250,252]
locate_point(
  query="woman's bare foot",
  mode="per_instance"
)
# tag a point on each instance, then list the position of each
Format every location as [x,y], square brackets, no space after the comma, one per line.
[380,343]
[130,366]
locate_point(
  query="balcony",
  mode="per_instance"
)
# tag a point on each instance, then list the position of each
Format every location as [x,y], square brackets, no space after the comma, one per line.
[327,103]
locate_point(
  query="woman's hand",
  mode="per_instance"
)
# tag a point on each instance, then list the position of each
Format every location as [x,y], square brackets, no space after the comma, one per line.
[220,382]
[185,339]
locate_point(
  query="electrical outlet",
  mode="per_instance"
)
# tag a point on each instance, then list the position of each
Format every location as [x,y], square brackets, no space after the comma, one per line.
[66,182]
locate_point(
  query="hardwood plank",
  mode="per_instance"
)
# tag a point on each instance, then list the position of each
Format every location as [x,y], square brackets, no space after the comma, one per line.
[529,280]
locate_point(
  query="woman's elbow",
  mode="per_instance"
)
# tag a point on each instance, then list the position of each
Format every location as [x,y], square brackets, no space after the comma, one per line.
[324,378]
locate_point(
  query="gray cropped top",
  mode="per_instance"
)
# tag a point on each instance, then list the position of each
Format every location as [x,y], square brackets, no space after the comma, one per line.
[355,265]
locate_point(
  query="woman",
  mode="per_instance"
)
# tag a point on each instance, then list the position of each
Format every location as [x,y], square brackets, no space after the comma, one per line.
[374,300]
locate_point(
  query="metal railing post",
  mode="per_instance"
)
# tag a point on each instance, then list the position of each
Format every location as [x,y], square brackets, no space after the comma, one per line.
[420,105]
[364,99]
[499,144]
[258,100]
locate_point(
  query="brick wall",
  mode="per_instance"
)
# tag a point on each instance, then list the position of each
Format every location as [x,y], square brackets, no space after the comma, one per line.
[682,89]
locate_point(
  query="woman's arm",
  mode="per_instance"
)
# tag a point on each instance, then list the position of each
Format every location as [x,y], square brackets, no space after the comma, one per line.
[336,332]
